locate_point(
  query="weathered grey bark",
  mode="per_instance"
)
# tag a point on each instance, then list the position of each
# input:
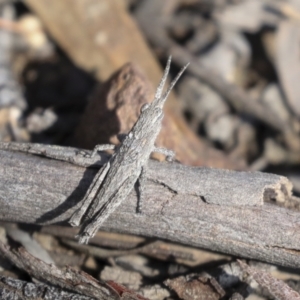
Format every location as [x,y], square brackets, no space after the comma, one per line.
[14,289]
[181,205]
[276,287]
[67,278]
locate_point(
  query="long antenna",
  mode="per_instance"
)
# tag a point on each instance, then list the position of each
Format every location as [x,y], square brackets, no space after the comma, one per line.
[167,92]
[163,80]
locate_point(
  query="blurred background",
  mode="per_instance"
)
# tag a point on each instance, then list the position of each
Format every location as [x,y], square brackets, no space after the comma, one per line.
[77,72]
[74,71]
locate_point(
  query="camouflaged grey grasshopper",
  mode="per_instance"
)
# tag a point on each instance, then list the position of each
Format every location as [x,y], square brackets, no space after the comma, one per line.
[117,177]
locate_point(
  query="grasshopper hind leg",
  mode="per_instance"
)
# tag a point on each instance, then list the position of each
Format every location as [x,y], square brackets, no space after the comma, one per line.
[90,195]
[91,226]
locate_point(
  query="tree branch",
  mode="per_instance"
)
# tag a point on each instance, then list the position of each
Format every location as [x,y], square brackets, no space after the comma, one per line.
[214,209]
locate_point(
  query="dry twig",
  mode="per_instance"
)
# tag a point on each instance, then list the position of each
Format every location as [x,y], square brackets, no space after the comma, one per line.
[276,287]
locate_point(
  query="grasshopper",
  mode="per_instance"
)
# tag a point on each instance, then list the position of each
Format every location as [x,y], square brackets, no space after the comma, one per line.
[127,165]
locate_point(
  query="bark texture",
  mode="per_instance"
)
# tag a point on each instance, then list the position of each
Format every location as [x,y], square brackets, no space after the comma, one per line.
[214,209]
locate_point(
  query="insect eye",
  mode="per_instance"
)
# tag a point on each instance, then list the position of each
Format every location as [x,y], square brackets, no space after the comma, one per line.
[158,110]
[144,107]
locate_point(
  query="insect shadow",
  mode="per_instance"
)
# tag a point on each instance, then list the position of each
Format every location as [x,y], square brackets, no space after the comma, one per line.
[73,199]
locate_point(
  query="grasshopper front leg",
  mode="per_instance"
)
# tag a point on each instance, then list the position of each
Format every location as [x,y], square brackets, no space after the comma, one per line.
[141,182]
[170,155]
[99,148]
